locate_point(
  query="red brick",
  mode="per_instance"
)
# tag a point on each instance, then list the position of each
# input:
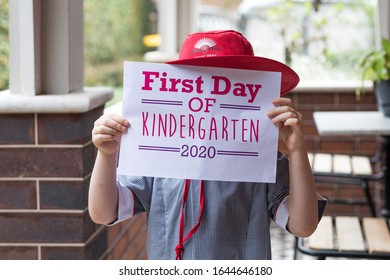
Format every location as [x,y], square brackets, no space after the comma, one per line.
[307,114]
[18,195]
[316,98]
[367,99]
[338,146]
[18,252]
[120,247]
[369,147]
[325,191]
[63,194]
[310,130]
[333,209]
[310,145]
[112,232]
[67,128]
[17,129]
[46,162]
[62,253]
[44,227]
[351,191]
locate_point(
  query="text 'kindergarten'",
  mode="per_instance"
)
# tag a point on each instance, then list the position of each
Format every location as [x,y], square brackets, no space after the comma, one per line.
[191,126]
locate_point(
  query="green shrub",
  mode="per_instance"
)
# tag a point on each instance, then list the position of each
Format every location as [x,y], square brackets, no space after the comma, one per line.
[113,32]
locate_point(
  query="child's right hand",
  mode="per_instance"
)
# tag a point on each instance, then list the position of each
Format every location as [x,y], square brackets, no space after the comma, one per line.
[107,132]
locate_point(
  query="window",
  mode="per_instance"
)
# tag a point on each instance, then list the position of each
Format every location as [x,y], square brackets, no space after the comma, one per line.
[320,39]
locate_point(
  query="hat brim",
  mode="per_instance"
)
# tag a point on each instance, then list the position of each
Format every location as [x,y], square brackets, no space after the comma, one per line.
[290,79]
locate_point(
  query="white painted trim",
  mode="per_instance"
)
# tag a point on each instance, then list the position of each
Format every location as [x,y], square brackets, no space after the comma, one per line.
[46,46]
[75,102]
[384,18]
[167,26]
[22,37]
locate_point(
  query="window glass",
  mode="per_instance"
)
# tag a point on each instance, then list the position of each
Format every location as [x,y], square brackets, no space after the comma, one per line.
[320,39]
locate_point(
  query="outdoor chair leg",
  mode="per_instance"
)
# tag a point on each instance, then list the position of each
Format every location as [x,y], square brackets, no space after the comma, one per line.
[296,249]
[365,185]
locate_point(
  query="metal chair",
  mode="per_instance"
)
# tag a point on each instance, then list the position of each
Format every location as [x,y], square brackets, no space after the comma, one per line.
[347,237]
[347,169]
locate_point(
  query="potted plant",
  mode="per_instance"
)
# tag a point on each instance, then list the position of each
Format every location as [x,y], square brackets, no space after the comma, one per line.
[376,67]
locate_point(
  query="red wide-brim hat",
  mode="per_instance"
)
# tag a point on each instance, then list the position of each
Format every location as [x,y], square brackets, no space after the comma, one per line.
[230,49]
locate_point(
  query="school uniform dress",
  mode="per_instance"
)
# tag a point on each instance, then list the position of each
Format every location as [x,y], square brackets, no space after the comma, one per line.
[229,220]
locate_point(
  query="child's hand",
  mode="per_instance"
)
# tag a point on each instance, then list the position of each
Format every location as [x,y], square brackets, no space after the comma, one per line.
[290,123]
[107,132]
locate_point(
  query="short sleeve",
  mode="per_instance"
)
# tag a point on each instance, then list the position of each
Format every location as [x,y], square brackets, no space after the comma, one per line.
[277,193]
[282,214]
[134,195]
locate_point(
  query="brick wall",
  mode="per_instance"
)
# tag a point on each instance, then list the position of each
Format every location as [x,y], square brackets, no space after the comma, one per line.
[46,162]
[45,165]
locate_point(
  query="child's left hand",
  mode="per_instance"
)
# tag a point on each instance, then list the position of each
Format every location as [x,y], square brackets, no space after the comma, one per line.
[290,123]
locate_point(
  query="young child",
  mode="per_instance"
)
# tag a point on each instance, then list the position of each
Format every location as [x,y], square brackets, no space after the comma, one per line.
[198,219]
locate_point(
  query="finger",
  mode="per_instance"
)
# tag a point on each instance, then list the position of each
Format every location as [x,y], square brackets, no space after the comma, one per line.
[119,119]
[282,104]
[111,123]
[282,115]
[281,109]
[114,122]
[291,122]
[114,117]
[105,130]
[100,139]
[282,101]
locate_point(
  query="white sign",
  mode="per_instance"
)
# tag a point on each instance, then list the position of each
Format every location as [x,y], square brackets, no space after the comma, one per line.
[194,122]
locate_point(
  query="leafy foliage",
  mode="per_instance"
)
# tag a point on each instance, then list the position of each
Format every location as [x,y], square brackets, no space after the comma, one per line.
[376,65]
[113,32]
[305,27]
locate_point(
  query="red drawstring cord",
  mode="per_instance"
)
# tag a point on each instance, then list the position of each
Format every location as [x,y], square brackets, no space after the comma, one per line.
[179,248]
